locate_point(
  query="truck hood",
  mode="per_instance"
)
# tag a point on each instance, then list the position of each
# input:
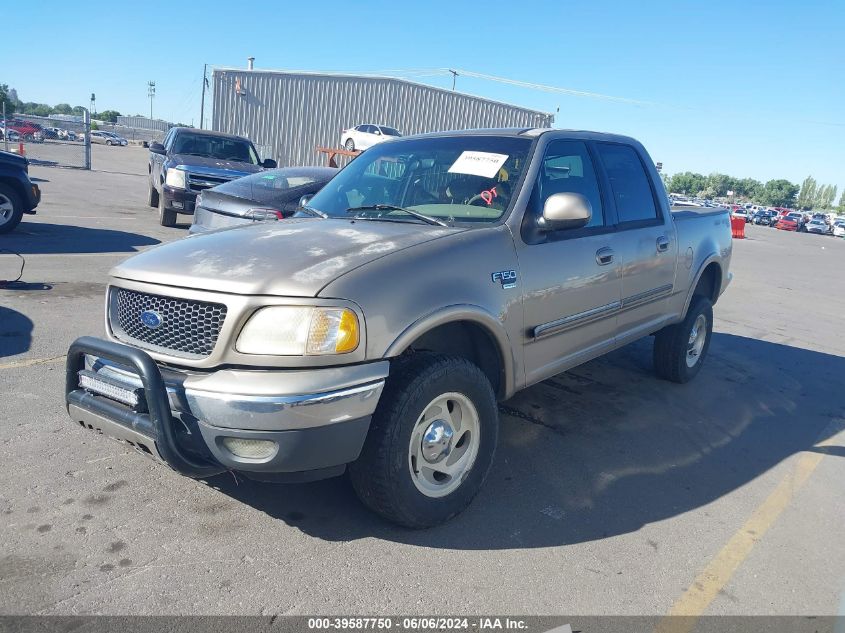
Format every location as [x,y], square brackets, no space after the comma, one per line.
[214,165]
[291,258]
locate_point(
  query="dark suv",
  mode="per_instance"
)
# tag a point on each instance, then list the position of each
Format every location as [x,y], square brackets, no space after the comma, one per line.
[191,161]
[17,193]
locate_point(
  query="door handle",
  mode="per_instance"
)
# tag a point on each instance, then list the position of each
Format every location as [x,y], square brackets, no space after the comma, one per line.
[604,256]
[662,244]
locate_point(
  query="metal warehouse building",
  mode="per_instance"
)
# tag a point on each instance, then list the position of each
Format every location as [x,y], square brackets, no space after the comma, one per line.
[288,114]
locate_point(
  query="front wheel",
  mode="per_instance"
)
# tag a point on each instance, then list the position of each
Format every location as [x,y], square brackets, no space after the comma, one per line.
[166,217]
[680,349]
[431,442]
[350,145]
[11,208]
[152,196]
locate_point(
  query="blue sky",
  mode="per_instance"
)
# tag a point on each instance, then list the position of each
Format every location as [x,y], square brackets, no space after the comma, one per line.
[745,87]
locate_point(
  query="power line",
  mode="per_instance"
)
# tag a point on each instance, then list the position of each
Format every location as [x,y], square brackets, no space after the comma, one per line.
[556,89]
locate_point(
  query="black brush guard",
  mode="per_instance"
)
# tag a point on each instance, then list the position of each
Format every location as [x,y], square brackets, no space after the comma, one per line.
[158,423]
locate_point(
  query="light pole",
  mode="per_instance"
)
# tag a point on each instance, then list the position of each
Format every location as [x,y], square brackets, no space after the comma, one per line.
[151,92]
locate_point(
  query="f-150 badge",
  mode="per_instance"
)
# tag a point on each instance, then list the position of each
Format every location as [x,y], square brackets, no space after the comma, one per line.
[506,277]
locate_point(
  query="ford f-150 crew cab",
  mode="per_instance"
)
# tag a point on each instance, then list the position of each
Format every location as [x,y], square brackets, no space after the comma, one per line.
[376,330]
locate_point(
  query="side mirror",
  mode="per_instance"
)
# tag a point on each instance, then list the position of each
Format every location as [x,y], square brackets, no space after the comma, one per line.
[564,211]
[157,148]
[269,163]
[304,200]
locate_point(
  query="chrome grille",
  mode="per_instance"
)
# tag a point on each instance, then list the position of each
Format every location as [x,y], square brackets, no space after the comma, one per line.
[201,182]
[188,328]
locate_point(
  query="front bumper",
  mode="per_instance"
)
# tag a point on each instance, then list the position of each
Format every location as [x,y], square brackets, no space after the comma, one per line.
[179,200]
[34,198]
[318,419]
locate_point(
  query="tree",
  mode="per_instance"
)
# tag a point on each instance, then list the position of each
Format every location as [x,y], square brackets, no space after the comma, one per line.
[842,202]
[807,195]
[721,184]
[687,182]
[62,108]
[748,187]
[78,110]
[108,115]
[827,197]
[5,99]
[778,193]
[819,196]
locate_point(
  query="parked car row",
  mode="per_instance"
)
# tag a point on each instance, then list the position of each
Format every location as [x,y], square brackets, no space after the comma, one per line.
[61,134]
[818,223]
[108,138]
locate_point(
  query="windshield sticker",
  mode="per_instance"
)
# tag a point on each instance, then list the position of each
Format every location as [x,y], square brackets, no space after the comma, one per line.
[485,164]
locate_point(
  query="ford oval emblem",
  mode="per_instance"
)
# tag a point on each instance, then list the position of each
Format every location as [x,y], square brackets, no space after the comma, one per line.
[151,319]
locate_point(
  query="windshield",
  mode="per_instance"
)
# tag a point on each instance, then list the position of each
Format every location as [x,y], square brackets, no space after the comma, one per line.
[457,178]
[275,184]
[219,147]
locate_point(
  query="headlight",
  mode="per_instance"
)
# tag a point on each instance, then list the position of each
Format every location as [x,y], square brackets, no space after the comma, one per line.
[175,178]
[296,331]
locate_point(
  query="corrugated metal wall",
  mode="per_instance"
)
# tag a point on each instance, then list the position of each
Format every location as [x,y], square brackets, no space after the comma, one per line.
[289,114]
[144,122]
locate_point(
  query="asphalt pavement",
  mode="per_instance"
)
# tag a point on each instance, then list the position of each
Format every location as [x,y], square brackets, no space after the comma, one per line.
[612,492]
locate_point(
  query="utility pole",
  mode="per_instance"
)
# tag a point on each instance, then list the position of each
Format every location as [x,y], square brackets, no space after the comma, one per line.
[151,92]
[202,101]
[5,136]
[454,77]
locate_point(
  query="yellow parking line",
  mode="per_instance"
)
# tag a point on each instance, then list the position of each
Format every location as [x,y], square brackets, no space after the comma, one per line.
[685,612]
[31,361]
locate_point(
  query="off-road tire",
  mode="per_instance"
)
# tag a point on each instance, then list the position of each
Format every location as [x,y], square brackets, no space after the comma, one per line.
[9,223]
[166,217]
[382,477]
[672,343]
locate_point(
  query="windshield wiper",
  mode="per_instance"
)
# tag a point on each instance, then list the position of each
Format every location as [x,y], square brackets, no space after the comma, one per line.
[313,211]
[391,208]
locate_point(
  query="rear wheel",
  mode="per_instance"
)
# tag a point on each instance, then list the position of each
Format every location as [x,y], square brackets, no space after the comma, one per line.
[11,208]
[431,442]
[350,145]
[680,349]
[166,217]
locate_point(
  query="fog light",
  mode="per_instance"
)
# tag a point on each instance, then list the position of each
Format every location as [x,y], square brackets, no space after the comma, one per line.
[177,204]
[249,449]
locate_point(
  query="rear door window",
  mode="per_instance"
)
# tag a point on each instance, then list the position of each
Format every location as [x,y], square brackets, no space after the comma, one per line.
[629,183]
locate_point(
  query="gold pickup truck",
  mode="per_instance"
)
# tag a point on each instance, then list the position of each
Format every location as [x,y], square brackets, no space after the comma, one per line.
[376,330]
